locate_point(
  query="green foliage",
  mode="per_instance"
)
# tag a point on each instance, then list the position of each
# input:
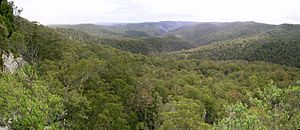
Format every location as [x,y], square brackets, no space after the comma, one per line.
[183,114]
[206,33]
[146,46]
[36,42]
[26,102]
[3,37]
[266,111]
[240,118]
[7,27]
[226,41]
[17,43]
[7,11]
[269,48]
[91,30]
[78,81]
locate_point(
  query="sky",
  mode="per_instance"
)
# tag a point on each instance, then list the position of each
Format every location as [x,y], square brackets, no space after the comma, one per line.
[131,11]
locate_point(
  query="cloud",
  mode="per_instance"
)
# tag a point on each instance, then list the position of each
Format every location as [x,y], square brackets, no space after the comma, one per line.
[94,11]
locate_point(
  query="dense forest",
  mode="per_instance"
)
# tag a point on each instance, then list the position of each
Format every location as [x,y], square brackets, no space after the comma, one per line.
[248,41]
[165,75]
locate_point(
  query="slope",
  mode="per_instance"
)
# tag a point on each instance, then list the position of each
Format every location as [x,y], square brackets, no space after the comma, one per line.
[71,84]
[144,45]
[205,33]
[151,28]
[133,30]
[280,45]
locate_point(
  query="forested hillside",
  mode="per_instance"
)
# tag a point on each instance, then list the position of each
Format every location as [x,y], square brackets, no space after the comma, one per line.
[205,33]
[143,45]
[76,80]
[281,46]
[248,41]
[151,28]
[127,29]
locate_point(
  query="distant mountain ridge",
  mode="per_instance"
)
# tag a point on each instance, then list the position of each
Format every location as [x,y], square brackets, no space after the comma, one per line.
[146,76]
[152,28]
[277,44]
[205,33]
[127,29]
[197,32]
[249,41]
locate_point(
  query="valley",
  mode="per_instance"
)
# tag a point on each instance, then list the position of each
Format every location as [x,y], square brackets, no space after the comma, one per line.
[145,76]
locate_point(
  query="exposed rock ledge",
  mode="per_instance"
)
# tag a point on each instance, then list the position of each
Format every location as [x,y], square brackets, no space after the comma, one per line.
[10,63]
[4,128]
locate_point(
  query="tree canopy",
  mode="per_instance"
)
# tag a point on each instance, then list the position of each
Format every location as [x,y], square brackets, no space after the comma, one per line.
[73,80]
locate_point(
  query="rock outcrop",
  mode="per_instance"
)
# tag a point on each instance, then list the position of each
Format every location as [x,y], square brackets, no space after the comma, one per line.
[4,128]
[10,63]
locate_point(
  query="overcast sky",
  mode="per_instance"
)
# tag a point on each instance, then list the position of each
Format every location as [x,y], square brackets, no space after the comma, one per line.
[111,11]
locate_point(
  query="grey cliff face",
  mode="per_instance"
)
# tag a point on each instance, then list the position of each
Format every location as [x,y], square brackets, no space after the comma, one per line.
[10,63]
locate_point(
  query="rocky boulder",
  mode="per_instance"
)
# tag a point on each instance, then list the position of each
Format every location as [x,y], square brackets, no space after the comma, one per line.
[10,63]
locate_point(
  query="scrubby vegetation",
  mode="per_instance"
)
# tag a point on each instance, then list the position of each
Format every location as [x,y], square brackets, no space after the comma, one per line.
[77,81]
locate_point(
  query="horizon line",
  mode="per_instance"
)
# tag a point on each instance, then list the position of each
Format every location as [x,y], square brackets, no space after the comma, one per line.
[137,22]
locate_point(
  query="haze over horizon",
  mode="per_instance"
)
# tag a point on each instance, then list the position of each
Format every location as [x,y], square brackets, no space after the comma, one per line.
[133,11]
[208,65]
